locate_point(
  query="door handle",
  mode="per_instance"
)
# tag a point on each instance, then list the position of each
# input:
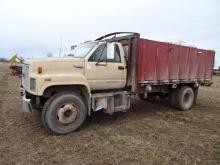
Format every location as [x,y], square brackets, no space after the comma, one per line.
[121,68]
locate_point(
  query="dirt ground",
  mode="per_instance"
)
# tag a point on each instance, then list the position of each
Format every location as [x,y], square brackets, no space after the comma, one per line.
[149,133]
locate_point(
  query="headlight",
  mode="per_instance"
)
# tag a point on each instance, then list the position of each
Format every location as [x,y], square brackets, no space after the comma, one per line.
[32,84]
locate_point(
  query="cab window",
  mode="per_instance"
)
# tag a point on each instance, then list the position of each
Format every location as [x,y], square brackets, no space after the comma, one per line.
[100,54]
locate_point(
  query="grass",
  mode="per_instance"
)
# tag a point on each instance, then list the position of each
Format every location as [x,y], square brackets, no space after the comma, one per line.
[217,151]
[79,150]
[113,137]
[141,136]
[149,155]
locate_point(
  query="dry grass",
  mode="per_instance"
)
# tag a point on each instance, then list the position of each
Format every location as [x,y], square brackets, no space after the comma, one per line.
[150,133]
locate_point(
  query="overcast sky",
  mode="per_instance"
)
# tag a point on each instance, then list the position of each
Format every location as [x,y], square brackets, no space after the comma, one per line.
[35,28]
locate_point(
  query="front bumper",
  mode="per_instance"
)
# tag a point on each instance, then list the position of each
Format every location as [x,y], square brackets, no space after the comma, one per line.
[26,103]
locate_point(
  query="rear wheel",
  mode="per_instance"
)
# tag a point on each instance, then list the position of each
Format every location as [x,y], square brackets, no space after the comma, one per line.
[64,113]
[184,98]
[195,94]
[172,97]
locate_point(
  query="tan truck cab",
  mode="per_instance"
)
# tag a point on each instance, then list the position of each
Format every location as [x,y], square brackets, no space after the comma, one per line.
[83,75]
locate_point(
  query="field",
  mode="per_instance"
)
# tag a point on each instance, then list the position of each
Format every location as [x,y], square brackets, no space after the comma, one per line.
[149,133]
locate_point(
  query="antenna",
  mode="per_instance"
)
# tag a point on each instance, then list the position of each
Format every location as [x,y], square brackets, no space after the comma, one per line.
[61,47]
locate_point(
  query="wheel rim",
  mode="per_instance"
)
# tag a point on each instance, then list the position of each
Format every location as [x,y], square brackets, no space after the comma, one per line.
[187,99]
[67,114]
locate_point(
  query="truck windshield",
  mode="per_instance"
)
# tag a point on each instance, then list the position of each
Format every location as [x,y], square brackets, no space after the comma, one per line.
[82,50]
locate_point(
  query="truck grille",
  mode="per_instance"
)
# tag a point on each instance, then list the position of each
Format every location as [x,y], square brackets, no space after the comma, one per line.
[25,76]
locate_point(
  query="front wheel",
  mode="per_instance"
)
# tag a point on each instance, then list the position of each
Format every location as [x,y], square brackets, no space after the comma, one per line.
[64,113]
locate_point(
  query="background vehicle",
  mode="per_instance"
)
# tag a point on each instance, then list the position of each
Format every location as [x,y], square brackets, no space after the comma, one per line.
[104,74]
[216,71]
[16,65]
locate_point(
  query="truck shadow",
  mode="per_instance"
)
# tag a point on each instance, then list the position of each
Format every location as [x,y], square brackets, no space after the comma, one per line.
[139,109]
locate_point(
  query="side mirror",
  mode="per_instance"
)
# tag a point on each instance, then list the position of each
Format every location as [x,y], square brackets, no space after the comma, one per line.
[110,51]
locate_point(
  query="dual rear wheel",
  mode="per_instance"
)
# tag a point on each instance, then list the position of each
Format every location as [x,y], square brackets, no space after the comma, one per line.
[181,98]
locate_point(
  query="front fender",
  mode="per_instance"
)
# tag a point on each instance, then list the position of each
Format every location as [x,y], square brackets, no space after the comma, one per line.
[45,81]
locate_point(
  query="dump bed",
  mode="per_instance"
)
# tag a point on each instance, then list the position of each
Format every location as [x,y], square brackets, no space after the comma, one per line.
[154,62]
[161,62]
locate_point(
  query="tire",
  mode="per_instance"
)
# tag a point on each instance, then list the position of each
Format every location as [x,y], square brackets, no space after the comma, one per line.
[195,90]
[64,113]
[184,98]
[172,98]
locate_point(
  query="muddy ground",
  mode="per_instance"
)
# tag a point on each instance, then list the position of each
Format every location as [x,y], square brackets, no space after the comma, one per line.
[150,133]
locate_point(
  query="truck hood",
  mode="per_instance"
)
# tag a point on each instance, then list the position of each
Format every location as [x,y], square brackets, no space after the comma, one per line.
[57,65]
[52,59]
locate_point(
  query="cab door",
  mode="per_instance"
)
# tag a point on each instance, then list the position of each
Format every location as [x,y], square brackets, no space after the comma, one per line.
[106,68]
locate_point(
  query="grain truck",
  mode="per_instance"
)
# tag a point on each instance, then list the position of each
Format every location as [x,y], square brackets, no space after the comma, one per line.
[103,75]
